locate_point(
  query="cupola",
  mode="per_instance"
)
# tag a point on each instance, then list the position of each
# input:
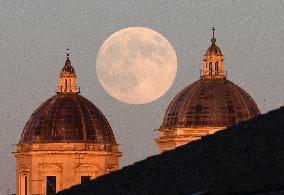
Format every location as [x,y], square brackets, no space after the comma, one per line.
[213,62]
[68,78]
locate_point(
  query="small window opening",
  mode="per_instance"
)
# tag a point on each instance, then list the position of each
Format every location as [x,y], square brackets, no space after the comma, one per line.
[65,85]
[26,185]
[50,185]
[85,179]
[216,68]
[210,67]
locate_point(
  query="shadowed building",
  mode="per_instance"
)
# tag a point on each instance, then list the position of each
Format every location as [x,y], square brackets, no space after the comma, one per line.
[66,141]
[208,105]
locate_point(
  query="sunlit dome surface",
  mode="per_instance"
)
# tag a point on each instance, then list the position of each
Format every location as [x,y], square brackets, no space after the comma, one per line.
[210,102]
[67,118]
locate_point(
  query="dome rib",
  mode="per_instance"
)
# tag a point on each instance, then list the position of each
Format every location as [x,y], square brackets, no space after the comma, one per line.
[213,50]
[189,100]
[177,98]
[244,102]
[82,119]
[52,117]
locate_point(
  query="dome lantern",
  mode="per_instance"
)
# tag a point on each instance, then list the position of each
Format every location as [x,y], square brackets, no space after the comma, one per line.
[68,78]
[213,62]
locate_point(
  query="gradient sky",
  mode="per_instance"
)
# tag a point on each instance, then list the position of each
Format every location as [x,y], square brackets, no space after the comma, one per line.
[34,35]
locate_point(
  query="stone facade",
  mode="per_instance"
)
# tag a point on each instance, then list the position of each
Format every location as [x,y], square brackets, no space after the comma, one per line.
[67,161]
[169,139]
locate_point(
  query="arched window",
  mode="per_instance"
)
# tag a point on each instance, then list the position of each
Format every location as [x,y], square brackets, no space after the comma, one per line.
[70,86]
[65,85]
[216,68]
[210,67]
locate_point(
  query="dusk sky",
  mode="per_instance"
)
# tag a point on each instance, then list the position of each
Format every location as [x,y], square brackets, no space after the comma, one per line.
[34,36]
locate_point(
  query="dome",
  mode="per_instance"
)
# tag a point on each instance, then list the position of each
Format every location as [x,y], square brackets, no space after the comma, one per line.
[210,103]
[206,106]
[68,68]
[67,118]
[213,50]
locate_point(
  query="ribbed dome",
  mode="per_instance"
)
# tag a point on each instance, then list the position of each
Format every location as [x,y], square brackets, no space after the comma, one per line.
[68,68]
[210,102]
[213,50]
[67,118]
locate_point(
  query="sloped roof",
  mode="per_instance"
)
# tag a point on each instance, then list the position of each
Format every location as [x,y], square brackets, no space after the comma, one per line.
[244,158]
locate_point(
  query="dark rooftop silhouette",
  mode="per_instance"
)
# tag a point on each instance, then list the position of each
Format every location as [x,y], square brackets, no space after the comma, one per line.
[242,159]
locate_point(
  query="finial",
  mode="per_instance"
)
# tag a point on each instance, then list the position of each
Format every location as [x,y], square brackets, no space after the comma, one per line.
[213,40]
[67,53]
[67,62]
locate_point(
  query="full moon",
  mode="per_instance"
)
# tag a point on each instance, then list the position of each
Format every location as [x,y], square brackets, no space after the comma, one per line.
[136,65]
